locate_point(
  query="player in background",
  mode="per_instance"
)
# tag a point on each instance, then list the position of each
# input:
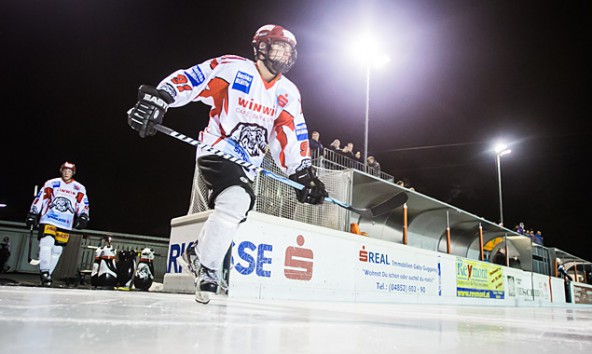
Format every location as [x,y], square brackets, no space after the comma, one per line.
[253,107]
[61,204]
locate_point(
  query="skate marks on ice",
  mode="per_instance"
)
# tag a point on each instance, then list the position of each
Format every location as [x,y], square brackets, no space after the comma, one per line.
[68,320]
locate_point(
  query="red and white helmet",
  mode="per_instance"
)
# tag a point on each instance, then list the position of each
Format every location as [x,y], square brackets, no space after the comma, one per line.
[263,46]
[69,165]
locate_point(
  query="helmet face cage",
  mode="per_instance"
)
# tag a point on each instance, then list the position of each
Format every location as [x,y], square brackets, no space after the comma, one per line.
[276,47]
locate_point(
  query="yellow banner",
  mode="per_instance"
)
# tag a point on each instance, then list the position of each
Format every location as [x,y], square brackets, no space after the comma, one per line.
[479,279]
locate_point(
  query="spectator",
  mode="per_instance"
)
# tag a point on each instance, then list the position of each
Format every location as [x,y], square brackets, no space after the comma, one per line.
[350,150]
[372,163]
[563,272]
[358,157]
[4,254]
[347,151]
[335,145]
[346,156]
[520,228]
[316,147]
[538,238]
[404,183]
[567,279]
[332,156]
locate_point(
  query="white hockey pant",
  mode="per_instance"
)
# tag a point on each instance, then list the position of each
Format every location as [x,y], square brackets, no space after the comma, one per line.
[49,254]
[216,236]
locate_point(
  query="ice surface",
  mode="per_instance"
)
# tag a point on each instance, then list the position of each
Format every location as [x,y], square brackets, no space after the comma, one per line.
[41,320]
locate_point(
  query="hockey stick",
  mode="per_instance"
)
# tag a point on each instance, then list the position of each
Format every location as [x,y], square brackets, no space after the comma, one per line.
[33,262]
[380,209]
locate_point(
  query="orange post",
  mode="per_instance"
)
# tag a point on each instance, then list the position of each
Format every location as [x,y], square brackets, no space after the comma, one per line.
[575,271]
[481,255]
[405,223]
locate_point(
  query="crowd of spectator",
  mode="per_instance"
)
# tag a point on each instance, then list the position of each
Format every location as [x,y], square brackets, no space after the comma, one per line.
[346,151]
[534,237]
[346,156]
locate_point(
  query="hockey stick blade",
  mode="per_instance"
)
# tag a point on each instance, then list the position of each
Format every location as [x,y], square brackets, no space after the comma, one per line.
[33,262]
[384,207]
[188,140]
[390,204]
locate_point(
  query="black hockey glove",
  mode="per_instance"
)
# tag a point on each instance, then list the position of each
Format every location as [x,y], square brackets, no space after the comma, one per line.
[32,220]
[81,221]
[314,190]
[150,109]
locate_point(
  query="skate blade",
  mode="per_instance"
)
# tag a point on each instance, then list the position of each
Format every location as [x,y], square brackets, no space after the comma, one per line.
[203,297]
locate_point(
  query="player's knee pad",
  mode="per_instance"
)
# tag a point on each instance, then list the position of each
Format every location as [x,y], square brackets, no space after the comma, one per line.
[233,204]
[46,244]
[56,251]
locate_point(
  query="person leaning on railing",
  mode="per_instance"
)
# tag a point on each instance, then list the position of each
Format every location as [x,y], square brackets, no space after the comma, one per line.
[373,164]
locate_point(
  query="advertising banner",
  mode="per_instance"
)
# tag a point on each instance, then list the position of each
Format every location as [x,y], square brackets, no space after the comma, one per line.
[478,279]
[387,270]
[582,294]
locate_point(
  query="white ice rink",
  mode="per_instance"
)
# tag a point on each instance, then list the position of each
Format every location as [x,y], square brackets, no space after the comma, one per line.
[39,320]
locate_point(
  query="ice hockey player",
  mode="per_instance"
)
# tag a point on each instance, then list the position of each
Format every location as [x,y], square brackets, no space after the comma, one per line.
[253,107]
[61,204]
[144,275]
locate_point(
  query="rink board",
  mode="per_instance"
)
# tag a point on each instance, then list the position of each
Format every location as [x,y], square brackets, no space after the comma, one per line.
[276,258]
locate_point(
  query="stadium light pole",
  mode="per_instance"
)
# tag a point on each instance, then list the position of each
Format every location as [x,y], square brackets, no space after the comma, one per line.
[367,50]
[500,150]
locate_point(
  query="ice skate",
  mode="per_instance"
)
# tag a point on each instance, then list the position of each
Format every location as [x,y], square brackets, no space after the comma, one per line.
[190,261]
[206,284]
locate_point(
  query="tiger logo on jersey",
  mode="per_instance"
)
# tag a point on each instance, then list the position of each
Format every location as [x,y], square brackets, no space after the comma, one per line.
[251,137]
[62,204]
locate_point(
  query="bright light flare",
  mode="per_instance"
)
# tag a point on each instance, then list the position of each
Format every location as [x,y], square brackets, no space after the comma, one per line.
[501,149]
[367,49]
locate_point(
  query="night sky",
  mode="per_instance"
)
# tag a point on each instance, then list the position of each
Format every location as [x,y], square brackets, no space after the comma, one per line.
[463,74]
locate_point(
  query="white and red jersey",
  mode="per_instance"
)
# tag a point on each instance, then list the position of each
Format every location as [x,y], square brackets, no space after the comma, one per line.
[247,113]
[58,202]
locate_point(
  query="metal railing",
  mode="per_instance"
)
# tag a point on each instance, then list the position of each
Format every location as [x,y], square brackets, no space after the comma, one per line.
[333,160]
